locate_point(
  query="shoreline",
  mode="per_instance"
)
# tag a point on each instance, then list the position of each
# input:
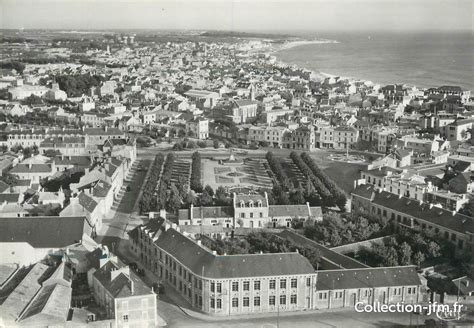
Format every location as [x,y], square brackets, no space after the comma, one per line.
[323,75]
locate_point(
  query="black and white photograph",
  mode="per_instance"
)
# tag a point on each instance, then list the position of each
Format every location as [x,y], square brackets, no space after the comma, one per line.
[236,163]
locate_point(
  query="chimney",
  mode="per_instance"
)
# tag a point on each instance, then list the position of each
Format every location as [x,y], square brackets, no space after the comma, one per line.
[191,210]
[30,165]
[199,242]
[453,212]
[431,205]
[214,253]
[167,226]
[163,213]
[131,285]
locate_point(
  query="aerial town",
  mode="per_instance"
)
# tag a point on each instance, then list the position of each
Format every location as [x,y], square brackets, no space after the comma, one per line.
[151,180]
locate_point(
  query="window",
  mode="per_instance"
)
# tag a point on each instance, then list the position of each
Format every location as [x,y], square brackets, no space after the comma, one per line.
[251,215]
[323,296]
[337,295]
[235,302]
[242,215]
[283,283]
[294,283]
[246,302]
[235,286]
[213,287]
[293,299]
[213,303]
[271,300]
[256,301]
[271,284]
[246,285]
[219,287]
[256,285]
[308,281]
[261,214]
[219,303]
[125,318]
[282,299]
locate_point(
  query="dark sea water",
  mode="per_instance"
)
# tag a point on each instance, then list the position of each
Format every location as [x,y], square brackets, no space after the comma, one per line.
[420,59]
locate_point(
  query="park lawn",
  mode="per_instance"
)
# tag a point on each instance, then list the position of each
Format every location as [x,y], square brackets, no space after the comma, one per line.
[344,174]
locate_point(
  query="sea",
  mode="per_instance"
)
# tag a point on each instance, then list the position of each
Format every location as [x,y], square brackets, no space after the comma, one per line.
[422,59]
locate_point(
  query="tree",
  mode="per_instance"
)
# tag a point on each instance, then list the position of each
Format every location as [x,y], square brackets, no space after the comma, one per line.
[9,179]
[209,190]
[174,202]
[181,133]
[215,144]
[221,196]
[391,258]
[205,199]
[189,199]
[433,249]
[418,258]
[283,199]
[192,144]
[178,146]
[297,196]
[405,254]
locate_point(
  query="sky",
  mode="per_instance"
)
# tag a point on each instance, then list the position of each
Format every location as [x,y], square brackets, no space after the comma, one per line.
[239,15]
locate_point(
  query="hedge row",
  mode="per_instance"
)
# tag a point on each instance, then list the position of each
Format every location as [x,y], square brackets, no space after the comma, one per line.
[340,196]
[326,197]
[278,171]
[165,181]
[196,184]
[148,200]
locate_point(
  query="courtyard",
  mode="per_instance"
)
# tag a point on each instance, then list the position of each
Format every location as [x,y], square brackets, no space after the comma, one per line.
[248,173]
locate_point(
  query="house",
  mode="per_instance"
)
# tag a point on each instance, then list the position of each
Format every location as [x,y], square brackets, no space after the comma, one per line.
[28,240]
[203,98]
[69,146]
[250,211]
[302,138]
[198,128]
[25,91]
[85,205]
[94,119]
[458,130]
[33,172]
[120,291]
[243,110]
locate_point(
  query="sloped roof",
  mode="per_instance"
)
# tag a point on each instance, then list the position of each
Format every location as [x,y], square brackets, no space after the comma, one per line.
[367,278]
[51,304]
[209,212]
[288,210]
[43,232]
[411,207]
[336,258]
[34,168]
[202,262]
[19,298]
[120,286]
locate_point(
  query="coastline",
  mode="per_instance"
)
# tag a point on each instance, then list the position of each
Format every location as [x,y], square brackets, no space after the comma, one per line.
[320,76]
[317,75]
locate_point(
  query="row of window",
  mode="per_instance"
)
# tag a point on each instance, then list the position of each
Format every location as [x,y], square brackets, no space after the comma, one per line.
[217,287]
[257,301]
